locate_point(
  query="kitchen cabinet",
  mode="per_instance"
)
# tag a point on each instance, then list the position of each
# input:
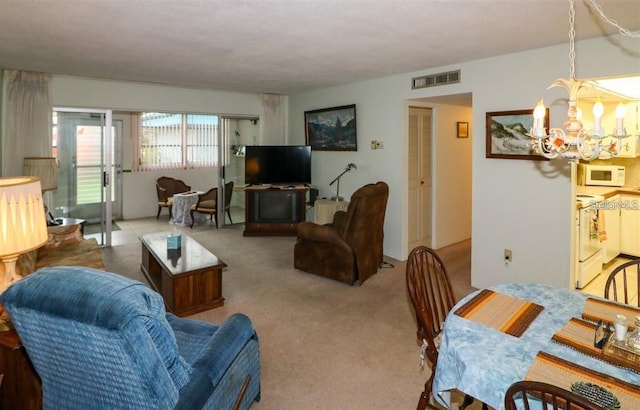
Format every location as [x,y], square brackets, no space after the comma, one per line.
[611,209]
[630,225]
[629,147]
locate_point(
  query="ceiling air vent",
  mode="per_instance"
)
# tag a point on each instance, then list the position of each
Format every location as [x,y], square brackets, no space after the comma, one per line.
[435,79]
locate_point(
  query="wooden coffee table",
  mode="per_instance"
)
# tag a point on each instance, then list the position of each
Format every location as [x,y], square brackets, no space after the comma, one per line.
[189,279]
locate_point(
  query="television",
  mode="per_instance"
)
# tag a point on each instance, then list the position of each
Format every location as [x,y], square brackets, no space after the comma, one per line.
[277,164]
[276,206]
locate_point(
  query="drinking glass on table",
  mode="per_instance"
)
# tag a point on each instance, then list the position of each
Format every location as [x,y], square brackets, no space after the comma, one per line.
[620,325]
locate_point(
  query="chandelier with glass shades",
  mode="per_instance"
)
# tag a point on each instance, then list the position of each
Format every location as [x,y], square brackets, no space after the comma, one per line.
[573,141]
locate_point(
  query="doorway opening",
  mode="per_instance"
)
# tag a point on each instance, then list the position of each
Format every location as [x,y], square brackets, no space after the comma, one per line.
[440,158]
[89,186]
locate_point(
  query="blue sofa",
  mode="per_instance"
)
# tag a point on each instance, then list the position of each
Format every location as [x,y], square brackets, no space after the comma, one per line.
[99,340]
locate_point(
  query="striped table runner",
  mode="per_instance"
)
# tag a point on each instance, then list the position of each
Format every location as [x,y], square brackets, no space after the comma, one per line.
[559,372]
[579,334]
[501,312]
[605,310]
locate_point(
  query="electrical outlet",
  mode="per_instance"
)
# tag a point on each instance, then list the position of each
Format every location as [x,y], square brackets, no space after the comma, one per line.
[379,145]
[508,257]
[374,144]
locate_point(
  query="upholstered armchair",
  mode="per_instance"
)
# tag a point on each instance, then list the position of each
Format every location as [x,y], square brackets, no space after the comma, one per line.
[207,203]
[166,187]
[100,340]
[350,248]
[228,192]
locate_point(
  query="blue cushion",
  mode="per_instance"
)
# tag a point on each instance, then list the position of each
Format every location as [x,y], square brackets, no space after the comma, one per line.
[101,340]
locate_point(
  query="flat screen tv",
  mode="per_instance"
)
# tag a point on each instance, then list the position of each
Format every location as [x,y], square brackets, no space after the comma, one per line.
[277,164]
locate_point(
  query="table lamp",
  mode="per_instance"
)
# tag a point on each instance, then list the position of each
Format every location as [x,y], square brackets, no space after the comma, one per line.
[46,168]
[337,179]
[23,227]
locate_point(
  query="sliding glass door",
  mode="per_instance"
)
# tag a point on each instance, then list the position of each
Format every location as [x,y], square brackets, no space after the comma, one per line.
[88,174]
[236,133]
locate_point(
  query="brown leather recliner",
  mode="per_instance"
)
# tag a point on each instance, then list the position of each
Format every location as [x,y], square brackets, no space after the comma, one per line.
[350,248]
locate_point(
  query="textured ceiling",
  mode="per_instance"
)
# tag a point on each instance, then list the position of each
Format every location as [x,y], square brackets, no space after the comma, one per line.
[281,46]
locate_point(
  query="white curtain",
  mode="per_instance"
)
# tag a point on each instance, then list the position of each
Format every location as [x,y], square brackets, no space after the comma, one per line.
[28,131]
[273,110]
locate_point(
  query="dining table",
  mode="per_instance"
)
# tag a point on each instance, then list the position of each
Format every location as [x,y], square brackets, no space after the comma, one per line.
[181,208]
[496,336]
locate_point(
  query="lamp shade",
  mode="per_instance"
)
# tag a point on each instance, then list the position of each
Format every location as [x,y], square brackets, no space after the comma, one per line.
[46,168]
[23,226]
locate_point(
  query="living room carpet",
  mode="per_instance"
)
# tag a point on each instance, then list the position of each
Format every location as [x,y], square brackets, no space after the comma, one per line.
[324,344]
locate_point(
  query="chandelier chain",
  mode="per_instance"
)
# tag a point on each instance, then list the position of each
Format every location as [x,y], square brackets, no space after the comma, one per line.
[572,31]
[622,30]
[572,39]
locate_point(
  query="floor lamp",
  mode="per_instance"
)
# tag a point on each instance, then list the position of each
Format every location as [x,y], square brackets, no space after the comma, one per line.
[45,168]
[23,227]
[337,179]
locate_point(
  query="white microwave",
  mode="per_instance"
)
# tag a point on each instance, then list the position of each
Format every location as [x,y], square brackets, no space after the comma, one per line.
[603,175]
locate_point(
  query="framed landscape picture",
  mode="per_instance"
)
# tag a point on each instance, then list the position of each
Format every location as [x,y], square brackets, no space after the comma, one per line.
[508,134]
[331,129]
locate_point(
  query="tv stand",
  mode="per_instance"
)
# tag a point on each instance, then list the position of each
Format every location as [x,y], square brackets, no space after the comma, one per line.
[274,210]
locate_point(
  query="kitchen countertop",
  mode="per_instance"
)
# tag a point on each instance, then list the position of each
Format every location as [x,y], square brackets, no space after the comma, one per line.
[607,191]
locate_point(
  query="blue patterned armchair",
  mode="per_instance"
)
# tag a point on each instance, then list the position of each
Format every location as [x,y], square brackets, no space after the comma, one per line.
[99,340]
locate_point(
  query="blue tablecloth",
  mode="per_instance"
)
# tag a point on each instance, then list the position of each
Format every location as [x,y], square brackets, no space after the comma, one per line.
[181,209]
[484,362]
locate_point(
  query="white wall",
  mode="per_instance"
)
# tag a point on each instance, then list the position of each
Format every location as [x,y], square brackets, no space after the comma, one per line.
[526,205]
[131,96]
[139,196]
[452,161]
[380,114]
[517,204]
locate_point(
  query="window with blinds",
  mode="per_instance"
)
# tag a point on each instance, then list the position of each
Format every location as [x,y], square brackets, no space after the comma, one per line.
[177,141]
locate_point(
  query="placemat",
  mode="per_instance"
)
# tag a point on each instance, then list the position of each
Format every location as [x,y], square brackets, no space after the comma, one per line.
[578,334]
[559,372]
[501,312]
[605,310]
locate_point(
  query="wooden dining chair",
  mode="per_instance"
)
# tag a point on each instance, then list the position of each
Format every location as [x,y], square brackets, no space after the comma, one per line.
[432,297]
[228,192]
[166,188]
[624,280]
[526,392]
[207,204]
[164,200]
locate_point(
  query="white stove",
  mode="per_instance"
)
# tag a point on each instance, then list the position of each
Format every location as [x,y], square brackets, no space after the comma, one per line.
[590,248]
[588,199]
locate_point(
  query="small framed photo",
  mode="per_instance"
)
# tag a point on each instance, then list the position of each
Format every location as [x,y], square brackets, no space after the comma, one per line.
[462,129]
[331,129]
[508,135]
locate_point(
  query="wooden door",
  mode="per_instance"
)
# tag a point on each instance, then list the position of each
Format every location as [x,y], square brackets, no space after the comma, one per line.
[420,180]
